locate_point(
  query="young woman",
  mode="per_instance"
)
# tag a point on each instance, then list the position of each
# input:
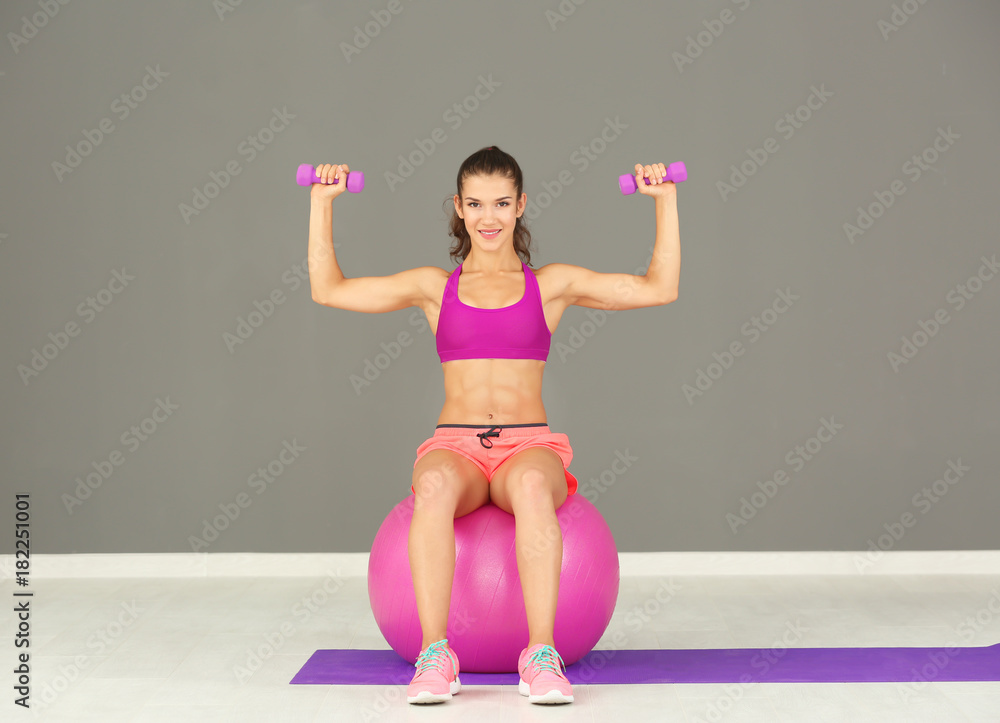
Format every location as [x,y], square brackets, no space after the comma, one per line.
[493,319]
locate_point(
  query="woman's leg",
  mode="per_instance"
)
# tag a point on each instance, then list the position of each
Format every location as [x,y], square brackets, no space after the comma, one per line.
[446,485]
[539,545]
[531,485]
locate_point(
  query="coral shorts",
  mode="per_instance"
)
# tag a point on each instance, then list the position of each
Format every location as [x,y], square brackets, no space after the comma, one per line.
[489,447]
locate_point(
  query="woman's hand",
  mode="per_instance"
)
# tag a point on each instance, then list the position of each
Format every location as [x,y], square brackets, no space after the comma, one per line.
[326,190]
[658,187]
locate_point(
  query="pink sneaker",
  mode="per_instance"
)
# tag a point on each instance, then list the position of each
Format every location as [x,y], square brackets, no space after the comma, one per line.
[542,679]
[436,679]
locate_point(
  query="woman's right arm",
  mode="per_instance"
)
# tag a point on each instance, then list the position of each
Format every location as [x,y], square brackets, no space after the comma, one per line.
[371,294]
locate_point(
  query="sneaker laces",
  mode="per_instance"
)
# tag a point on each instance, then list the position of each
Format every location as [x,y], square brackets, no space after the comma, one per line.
[543,658]
[433,657]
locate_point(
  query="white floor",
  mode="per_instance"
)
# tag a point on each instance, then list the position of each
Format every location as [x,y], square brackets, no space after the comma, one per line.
[170,649]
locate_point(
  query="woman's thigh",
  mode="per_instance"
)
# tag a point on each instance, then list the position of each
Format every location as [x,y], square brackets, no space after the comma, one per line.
[446,477]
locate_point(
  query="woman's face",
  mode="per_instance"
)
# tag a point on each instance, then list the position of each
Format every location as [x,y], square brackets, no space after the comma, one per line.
[490,210]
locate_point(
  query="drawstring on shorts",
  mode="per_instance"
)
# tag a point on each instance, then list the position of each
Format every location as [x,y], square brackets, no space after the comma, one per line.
[490,433]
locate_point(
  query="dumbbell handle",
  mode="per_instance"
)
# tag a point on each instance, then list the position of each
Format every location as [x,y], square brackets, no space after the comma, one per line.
[676,172]
[306,176]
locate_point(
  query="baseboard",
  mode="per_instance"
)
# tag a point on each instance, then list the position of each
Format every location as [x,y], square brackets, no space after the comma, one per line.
[633,564]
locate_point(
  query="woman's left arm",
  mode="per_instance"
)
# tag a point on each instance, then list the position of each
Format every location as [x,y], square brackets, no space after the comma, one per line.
[665,267]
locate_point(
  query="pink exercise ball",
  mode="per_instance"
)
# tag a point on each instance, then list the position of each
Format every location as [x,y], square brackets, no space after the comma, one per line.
[487,626]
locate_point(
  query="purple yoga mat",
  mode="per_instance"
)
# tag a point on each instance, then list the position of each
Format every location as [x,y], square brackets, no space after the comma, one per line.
[737,665]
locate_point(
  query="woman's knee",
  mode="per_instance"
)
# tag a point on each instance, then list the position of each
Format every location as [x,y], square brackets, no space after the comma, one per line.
[535,485]
[434,485]
[450,483]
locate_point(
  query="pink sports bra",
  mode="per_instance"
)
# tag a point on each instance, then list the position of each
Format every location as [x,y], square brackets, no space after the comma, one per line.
[517,331]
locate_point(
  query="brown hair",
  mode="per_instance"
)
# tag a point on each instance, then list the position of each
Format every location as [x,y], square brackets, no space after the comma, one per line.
[487,162]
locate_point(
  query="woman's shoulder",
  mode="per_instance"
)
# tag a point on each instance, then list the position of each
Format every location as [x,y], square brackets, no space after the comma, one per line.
[433,280]
[556,273]
[436,272]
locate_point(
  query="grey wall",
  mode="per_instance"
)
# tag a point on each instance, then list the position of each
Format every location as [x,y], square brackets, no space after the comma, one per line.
[889,90]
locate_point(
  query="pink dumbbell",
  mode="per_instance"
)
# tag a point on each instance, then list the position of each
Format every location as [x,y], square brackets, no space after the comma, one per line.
[306,176]
[676,172]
